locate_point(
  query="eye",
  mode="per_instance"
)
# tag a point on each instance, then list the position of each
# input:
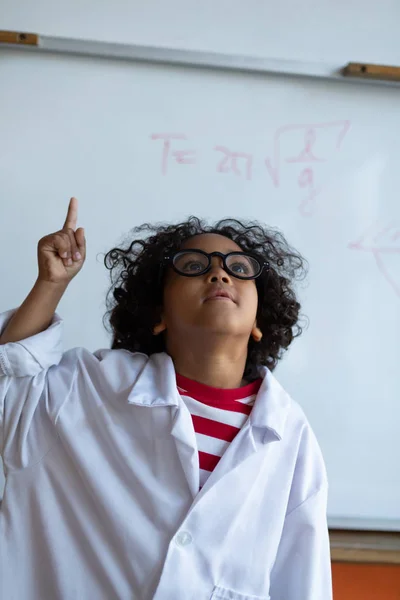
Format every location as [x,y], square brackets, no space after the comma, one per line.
[243,265]
[240,268]
[192,266]
[190,263]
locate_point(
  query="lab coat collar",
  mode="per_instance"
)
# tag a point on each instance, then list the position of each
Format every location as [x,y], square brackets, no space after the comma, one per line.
[156,383]
[272,405]
[156,386]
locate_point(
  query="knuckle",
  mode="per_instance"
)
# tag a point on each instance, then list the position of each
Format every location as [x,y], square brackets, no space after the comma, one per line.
[72,237]
[61,238]
[65,237]
[61,241]
[47,239]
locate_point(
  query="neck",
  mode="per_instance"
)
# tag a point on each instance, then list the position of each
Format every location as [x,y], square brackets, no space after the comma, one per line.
[218,363]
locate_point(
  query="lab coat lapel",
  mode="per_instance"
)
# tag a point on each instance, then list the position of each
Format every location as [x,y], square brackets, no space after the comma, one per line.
[156,386]
[243,446]
[185,439]
[265,425]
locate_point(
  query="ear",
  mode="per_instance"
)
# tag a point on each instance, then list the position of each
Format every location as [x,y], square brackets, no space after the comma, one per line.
[159,328]
[256,333]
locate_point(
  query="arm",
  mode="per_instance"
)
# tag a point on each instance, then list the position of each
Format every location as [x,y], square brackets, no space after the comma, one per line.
[31,342]
[302,568]
[35,314]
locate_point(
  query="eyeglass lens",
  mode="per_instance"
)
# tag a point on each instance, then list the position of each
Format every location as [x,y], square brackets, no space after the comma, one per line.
[195,263]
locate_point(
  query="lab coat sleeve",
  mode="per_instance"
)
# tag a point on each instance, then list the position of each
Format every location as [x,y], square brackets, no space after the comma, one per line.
[23,368]
[302,569]
[31,355]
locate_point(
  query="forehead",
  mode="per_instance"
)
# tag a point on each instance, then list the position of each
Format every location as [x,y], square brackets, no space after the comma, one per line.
[211,242]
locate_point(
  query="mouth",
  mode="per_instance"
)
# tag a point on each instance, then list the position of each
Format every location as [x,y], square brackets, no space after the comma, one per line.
[219,295]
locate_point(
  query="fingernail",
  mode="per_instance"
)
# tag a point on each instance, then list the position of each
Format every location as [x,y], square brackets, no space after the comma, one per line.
[77,256]
[69,262]
[64,255]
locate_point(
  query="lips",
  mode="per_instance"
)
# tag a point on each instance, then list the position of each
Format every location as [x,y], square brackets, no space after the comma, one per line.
[219,293]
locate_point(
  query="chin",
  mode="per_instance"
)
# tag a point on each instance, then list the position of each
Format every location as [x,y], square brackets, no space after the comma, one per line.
[223,326]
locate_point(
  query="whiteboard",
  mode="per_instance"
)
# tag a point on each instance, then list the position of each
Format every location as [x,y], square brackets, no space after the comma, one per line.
[325,30]
[319,160]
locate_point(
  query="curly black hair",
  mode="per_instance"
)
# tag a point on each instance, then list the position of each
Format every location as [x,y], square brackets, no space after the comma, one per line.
[137,273]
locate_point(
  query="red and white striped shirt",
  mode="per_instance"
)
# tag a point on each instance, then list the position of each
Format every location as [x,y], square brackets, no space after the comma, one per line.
[217,415]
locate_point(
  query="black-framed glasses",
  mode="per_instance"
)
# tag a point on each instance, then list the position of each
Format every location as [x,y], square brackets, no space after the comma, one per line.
[192,263]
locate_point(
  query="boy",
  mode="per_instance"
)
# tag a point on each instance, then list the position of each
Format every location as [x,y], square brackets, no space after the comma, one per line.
[172,466]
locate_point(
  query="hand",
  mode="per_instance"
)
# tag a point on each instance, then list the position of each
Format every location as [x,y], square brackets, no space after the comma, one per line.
[61,254]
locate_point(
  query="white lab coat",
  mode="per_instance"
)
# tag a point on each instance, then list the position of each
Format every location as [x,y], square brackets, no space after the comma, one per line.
[101,499]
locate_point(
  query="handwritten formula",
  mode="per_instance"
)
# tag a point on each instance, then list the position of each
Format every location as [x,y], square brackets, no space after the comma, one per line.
[383,243]
[315,143]
[296,151]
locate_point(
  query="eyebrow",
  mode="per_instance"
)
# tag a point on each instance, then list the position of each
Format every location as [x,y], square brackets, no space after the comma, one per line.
[226,251]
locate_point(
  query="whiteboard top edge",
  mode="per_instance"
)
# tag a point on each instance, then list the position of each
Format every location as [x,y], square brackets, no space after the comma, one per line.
[196,58]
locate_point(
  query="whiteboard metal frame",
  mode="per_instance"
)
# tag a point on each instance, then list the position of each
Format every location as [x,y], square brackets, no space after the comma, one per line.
[363,524]
[181,57]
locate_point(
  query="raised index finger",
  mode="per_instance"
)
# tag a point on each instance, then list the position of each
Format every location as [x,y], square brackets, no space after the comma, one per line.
[72,215]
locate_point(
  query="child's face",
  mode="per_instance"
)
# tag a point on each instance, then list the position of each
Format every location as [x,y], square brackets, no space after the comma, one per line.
[188,310]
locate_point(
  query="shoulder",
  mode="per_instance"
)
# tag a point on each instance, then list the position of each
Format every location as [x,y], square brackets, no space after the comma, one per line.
[296,424]
[283,412]
[101,358]
[116,369]
[298,436]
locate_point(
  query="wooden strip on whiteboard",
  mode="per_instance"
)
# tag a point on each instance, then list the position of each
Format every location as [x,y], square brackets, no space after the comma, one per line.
[19,38]
[365,546]
[371,71]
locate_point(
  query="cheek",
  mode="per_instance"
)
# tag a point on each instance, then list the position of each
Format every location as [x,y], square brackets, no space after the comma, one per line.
[177,295]
[250,301]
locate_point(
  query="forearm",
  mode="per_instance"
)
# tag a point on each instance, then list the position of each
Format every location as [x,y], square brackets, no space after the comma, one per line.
[35,313]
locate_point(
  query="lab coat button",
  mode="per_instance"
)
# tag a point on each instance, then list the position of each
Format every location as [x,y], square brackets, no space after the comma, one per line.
[183,538]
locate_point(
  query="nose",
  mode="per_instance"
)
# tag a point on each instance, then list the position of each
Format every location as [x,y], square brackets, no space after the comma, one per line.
[217,271]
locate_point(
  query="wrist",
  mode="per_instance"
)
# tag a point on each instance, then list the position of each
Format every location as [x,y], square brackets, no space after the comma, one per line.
[50,286]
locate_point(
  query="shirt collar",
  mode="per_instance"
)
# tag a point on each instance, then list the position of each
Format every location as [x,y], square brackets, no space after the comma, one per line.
[156,386]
